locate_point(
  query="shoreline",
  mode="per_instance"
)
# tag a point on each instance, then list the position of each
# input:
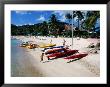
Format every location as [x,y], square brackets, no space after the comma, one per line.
[22,63]
[87,66]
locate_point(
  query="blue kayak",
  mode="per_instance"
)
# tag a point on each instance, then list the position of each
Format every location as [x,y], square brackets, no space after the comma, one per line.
[53,47]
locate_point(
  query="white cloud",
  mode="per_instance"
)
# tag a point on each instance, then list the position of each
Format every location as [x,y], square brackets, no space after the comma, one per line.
[59,12]
[22,12]
[42,18]
[63,18]
[75,19]
[29,23]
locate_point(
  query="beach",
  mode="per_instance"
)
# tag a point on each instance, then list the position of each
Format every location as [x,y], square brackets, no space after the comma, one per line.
[29,64]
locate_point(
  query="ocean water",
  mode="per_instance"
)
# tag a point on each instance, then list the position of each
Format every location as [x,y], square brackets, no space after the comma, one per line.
[21,61]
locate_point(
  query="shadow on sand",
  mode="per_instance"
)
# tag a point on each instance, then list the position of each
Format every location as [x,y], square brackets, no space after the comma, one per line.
[71,60]
[74,60]
[46,61]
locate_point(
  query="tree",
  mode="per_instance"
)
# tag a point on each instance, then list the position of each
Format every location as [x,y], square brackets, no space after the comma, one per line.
[76,14]
[79,15]
[44,28]
[53,25]
[14,29]
[69,17]
[90,21]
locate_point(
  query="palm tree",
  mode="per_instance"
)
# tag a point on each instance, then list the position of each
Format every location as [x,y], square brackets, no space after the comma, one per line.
[68,16]
[79,15]
[44,28]
[76,14]
[91,20]
[53,25]
[92,17]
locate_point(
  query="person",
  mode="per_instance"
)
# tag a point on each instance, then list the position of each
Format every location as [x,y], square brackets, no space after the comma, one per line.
[34,46]
[64,41]
[42,56]
[51,41]
[27,43]
[66,46]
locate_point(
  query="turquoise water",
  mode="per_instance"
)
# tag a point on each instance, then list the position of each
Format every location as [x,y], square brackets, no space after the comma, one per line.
[21,62]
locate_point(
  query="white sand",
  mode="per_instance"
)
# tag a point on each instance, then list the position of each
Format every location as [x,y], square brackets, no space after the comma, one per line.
[88,66]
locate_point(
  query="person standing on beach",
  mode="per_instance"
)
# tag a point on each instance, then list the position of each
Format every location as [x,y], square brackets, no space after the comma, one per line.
[42,56]
[64,41]
[51,41]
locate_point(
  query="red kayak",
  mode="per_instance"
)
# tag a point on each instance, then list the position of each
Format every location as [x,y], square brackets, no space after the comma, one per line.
[77,56]
[62,54]
[55,50]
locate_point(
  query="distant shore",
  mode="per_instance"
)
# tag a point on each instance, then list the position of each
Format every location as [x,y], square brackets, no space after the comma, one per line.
[87,66]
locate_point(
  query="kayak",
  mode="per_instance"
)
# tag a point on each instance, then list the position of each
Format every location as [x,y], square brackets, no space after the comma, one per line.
[77,56]
[62,54]
[47,45]
[52,47]
[55,50]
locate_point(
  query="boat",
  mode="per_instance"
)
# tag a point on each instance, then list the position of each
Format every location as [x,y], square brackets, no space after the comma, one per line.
[24,44]
[62,54]
[55,50]
[79,55]
[52,47]
[47,45]
[32,46]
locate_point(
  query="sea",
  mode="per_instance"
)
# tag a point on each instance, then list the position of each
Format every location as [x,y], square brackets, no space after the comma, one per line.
[21,61]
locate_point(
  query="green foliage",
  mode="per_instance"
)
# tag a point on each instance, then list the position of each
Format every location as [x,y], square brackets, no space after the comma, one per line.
[92,17]
[54,27]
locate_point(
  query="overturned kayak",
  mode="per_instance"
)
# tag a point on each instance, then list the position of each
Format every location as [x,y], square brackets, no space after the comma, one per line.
[62,54]
[55,50]
[80,55]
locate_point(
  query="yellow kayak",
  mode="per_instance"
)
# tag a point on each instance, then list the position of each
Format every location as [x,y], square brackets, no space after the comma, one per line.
[47,45]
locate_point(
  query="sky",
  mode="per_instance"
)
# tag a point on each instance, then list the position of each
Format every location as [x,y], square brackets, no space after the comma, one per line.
[33,17]
[21,17]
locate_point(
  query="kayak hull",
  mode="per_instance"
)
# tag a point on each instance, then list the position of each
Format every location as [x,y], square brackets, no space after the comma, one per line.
[47,45]
[55,50]
[52,47]
[76,56]
[62,54]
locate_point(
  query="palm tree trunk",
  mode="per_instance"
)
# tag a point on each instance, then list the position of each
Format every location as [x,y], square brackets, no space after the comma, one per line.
[78,28]
[78,23]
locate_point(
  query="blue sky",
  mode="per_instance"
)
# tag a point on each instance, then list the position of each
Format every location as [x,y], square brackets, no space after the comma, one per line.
[21,17]
[33,17]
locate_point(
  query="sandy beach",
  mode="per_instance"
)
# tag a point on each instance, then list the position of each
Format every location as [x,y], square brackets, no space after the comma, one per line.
[88,66]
